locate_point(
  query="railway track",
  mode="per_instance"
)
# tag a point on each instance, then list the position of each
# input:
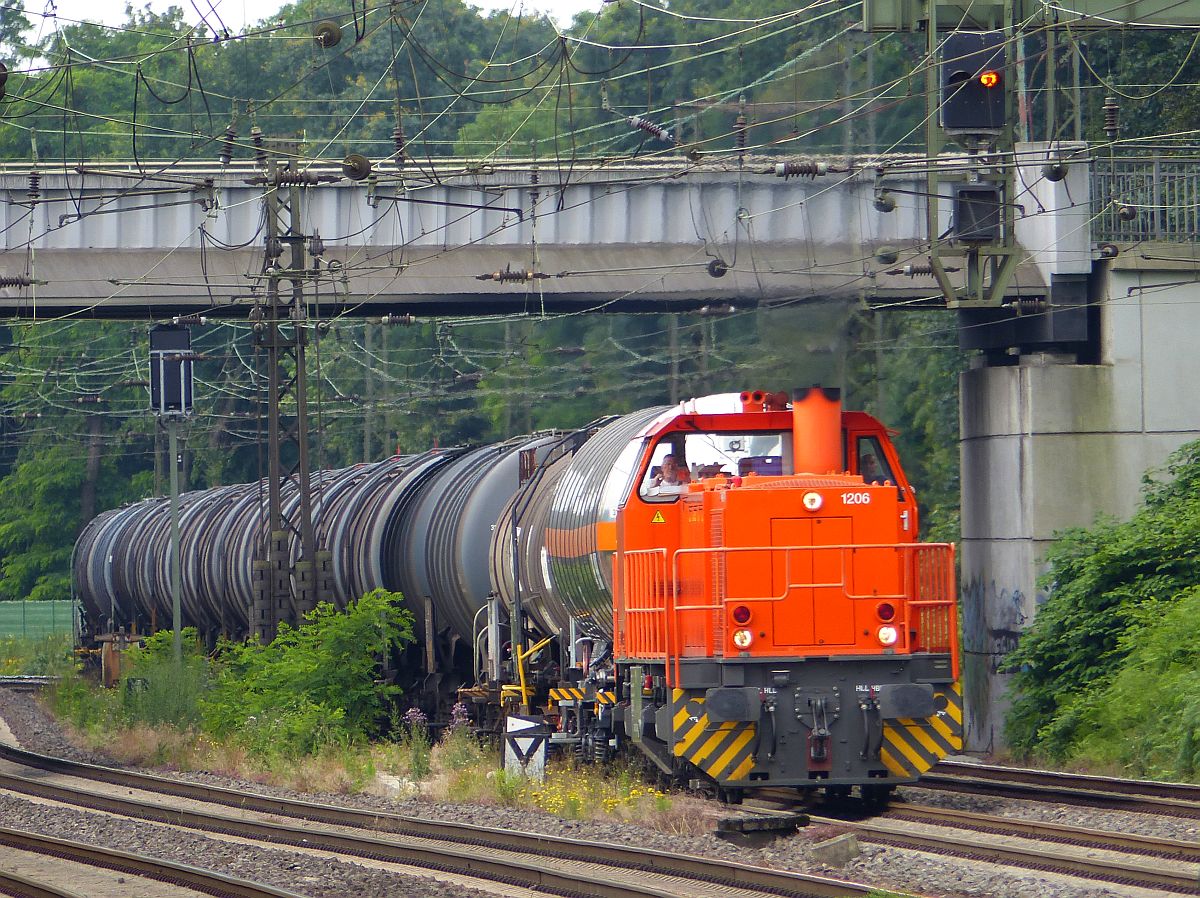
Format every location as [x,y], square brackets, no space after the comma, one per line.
[1140,796]
[26,683]
[1166,865]
[25,887]
[1081,837]
[194,878]
[547,863]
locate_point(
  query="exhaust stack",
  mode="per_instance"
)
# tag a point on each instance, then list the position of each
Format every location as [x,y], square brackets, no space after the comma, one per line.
[817,430]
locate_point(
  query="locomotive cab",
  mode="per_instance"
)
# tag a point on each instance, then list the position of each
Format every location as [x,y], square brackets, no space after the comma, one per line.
[776,621]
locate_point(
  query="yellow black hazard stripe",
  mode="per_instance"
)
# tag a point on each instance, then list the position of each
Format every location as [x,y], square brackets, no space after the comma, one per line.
[910,747]
[725,751]
[574,694]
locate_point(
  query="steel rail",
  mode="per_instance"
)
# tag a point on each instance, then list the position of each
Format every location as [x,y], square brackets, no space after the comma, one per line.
[24,887]
[1052,859]
[26,683]
[947,770]
[1104,839]
[1139,796]
[451,847]
[158,869]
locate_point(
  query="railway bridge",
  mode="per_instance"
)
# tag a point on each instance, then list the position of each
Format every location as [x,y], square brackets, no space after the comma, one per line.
[1082,381]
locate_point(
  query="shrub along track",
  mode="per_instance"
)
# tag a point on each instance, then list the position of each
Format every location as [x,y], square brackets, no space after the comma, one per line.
[552,864]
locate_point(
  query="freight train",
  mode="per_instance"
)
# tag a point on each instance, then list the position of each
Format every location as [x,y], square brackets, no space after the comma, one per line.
[733,586]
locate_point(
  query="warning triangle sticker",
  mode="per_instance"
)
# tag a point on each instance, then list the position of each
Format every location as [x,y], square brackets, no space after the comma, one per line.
[658,518]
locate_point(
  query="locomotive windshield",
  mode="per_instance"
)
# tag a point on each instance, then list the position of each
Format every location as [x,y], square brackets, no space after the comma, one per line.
[679,458]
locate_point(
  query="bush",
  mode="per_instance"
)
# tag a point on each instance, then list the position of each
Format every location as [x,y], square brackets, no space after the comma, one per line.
[313,686]
[156,689]
[1144,720]
[86,707]
[1110,632]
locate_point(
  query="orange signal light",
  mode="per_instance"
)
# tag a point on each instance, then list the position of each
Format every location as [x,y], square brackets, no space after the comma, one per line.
[990,78]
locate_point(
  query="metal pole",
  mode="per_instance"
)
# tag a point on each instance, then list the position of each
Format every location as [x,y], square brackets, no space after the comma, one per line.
[176,560]
[368,395]
[306,570]
[673,363]
[517,625]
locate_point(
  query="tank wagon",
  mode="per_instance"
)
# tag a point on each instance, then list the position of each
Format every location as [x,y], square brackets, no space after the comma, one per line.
[769,619]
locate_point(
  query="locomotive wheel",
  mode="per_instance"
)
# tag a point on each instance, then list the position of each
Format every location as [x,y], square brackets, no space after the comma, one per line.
[729,796]
[876,796]
[837,793]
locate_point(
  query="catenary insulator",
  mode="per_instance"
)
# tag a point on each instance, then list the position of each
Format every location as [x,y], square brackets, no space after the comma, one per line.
[260,148]
[739,128]
[289,177]
[405,320]
[399,141]
[226,155]
[35,185]
[919,269]
[15,280]
[508,276]
[1112,117]
[806,169]
[658,131]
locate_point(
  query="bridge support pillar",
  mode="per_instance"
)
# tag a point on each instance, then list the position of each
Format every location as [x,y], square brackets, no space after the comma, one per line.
[1049,444]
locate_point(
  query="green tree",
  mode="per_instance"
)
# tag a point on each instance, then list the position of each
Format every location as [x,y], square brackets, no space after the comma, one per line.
[79,448]
[13,27]
[904,368]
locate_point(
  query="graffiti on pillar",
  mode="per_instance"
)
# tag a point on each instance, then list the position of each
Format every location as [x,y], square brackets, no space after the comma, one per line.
[993,618]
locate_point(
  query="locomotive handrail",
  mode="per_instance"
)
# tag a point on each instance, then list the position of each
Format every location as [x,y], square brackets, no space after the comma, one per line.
[657,573]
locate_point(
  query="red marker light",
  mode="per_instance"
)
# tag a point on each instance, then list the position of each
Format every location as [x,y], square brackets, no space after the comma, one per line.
[989,78]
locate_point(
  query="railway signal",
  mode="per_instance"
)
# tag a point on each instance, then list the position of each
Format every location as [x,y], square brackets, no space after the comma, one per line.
[972,83]
[171,399]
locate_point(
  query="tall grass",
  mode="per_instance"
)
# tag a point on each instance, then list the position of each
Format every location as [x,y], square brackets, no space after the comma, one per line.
[35,655]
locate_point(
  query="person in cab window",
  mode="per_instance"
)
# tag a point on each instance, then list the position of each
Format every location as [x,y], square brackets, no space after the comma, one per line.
[870,469]
[672,476]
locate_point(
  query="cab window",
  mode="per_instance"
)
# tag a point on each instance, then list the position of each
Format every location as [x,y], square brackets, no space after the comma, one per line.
[872,463]
[682,457]
[669,473]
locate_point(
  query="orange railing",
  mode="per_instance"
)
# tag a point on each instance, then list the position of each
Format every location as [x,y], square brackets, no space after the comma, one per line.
[935,626]
[641,607]
[678,611]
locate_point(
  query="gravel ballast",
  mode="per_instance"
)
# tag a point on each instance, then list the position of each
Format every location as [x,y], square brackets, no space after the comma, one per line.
[910,871]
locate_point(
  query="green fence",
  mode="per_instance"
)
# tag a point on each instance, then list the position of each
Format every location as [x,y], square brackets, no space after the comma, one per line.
[32,619]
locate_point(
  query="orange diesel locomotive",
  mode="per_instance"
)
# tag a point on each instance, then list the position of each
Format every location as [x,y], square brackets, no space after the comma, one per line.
[774,620]
[733,585]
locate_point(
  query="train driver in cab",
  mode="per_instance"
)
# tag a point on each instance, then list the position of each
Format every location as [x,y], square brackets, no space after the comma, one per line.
[670,478]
